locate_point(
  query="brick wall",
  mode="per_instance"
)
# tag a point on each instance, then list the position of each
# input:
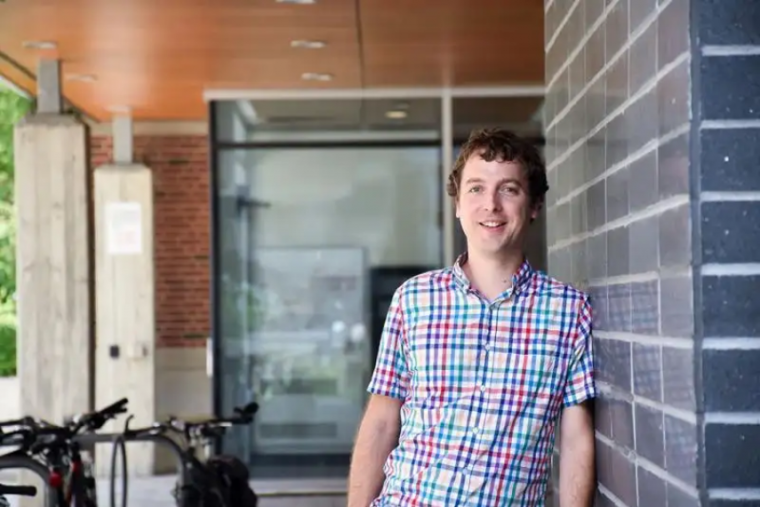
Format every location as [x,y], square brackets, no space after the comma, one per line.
[619,225]
[725,161]
[182,214]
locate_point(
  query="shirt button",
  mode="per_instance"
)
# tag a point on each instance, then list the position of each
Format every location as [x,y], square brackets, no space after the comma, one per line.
[475,431]
[488,346]
[482,388]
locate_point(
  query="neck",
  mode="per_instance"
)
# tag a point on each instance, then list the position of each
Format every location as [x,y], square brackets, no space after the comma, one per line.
[492,274]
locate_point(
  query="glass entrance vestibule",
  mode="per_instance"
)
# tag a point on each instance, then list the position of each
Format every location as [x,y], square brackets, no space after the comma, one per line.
[321,209]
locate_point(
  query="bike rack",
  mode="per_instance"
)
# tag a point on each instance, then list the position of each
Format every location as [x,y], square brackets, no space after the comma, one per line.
[89,439]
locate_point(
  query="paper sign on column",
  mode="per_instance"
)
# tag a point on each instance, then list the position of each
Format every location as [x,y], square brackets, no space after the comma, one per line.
[123,228]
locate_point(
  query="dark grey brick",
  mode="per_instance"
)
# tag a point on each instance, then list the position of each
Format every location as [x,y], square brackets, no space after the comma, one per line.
[619,301]
[675,237]
[650,434]
[617,194]
[672,32]
[673,167]
[616,29]
[652,489]
[621,419]
[617,83]
[613,363]
[596,256]
[730,232]
[647,371]
[645,302]
[730,159]
[729,22]
[676,306]
[642,182]
[617,473]
[642,65]
[673,91]
[678,377]
[593,9]
[730,380]
[730,306]
[642,121]
[596,205]
[728,462]
[681,449]
[734,85]
[618,250]
[644,245]
[639,10]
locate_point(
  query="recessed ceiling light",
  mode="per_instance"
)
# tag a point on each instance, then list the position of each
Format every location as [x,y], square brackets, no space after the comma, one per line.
[297,2]
[308,44]
[87,78]
[40,44]
[395,115]
[119,109]
[316,76]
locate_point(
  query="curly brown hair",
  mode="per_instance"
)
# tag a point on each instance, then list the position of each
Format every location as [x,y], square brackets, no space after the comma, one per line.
[505,146]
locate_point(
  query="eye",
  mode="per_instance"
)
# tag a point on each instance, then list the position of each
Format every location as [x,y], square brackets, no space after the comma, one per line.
[511,190]
[475,188]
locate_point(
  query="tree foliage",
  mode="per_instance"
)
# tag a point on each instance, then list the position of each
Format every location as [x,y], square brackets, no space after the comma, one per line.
[12,108]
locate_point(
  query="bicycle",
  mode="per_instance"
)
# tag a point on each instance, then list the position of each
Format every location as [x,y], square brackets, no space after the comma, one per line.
[220,481]
[7,490]
[54,453]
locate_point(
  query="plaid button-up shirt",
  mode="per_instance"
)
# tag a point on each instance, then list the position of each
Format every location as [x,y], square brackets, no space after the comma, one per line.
[482,384]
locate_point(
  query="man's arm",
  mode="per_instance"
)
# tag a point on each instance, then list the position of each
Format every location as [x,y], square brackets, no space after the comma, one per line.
[377,436]
[379,430]
[576,457]
[576,443]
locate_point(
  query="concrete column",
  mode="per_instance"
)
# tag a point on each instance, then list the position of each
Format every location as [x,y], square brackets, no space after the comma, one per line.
[125,289]
[53,261]
[447,161]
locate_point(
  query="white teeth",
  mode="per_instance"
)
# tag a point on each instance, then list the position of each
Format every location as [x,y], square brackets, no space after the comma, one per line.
[492,224]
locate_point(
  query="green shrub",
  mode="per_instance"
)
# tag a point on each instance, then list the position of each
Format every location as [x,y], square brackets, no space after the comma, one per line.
[12,108]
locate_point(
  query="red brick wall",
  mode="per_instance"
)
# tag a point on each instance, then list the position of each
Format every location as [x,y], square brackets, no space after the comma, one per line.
[183,246]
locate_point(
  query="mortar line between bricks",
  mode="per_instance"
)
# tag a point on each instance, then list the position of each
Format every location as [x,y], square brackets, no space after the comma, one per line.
[632,38]
[647,465]
[650,211]
[677,413]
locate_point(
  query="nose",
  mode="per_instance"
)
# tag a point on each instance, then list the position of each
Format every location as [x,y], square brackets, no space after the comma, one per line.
[492,202]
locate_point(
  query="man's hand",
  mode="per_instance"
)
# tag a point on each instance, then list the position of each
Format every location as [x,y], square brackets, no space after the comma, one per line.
[377,437]
[576,457]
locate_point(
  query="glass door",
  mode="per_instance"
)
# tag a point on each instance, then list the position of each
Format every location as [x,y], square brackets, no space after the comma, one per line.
[309,238]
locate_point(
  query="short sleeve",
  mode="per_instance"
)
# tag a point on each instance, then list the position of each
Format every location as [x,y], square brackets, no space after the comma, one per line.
[581,384]
[391,375]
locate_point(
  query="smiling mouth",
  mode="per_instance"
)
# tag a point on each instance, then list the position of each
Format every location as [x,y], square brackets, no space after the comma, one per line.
[492,224]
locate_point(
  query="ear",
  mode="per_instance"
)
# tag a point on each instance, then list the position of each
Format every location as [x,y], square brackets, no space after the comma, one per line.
[535,210]
[456,207]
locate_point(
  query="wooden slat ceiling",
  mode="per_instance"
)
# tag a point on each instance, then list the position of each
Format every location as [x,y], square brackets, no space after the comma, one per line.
[157,57]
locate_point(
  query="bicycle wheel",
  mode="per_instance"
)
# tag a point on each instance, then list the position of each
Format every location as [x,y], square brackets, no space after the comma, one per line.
[17,460]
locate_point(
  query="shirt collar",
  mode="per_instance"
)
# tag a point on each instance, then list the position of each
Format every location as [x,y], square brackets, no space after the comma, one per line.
[520,280]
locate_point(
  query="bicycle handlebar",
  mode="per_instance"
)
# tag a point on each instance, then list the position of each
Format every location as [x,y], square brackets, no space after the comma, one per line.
[17,490]
[32,429]
[244,416]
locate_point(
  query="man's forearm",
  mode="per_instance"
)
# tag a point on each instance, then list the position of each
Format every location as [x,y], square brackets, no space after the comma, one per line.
[576,472]
[374,442]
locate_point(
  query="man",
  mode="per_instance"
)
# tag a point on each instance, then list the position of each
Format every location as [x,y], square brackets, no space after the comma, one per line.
[479,361]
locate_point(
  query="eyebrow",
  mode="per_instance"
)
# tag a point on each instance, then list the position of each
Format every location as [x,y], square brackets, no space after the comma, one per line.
[506,180]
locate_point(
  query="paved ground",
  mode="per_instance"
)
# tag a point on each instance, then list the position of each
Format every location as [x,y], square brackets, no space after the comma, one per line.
[156,492]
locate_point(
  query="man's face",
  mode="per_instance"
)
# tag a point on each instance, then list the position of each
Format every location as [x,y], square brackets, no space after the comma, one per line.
[494,205]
